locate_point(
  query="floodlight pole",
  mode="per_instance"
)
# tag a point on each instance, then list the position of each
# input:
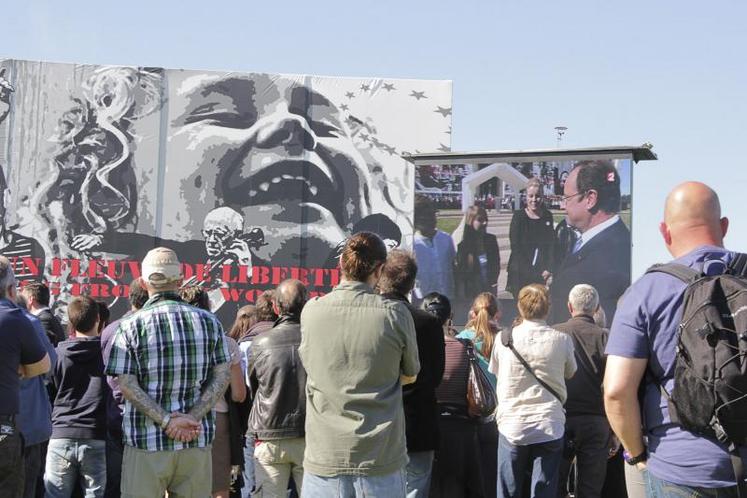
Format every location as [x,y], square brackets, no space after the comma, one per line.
[560,130]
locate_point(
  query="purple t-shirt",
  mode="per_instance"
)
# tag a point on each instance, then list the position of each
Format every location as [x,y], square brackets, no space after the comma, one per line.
[645,326]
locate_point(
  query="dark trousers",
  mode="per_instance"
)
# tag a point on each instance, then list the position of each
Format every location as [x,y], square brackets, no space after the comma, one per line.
[587,440]
[487,434]
[11,461]
[114,451]
[456,466]
[33,462]
[614,483]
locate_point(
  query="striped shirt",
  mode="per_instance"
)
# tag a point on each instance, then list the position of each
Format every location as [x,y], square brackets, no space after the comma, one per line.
[171,347]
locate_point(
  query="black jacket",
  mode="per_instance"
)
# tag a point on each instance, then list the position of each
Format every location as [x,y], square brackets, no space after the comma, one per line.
[469,278]
[80,390]
[421,409]
[585,387]
[532,247]
[278,382]
[603,262]
[52,326]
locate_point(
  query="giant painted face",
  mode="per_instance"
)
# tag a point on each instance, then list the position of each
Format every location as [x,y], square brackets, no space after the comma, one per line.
[271,148]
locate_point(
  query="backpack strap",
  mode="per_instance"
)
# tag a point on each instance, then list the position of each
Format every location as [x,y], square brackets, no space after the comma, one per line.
[738,265]
[508,341]
[682,272]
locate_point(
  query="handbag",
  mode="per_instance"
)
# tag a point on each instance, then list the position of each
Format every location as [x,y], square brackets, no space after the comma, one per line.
[481,397]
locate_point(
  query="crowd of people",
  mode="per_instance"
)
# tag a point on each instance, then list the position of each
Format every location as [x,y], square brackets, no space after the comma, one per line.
[362,391]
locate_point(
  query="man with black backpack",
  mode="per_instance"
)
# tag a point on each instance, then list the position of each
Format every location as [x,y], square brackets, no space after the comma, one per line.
[680,334]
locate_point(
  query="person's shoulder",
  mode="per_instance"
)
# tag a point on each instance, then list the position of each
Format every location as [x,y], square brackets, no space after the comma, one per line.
[466,334]
[618,230]
[398,307]
[423,317]
[11,315]
[315,303]
[564,327]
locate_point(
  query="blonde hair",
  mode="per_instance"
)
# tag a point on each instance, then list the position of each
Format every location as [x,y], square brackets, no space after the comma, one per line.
[533,302]
[473,213]
[484,308]
[534,182]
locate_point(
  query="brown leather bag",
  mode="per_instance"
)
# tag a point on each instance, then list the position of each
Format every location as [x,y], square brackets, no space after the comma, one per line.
[481,397]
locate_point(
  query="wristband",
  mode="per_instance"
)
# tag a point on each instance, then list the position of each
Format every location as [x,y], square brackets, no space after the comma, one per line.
[634,460]
[165,421]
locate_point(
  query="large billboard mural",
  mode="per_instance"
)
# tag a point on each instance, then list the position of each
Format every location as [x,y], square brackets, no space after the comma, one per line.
[251,178]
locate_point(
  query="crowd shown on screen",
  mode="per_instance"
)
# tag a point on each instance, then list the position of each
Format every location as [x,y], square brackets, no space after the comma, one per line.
[358,392]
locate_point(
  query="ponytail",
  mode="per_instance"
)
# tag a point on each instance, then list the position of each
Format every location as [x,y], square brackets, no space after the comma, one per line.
[484,308]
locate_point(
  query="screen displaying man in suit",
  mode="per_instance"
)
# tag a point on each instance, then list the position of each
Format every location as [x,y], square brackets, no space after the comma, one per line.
[601,255]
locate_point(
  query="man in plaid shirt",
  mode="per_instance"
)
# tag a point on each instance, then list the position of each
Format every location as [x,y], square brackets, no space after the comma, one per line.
[172,366]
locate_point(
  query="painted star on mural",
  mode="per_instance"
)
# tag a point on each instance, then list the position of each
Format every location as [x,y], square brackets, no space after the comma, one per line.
[389,87]
[365,88]
[444,111]
[418,95]
[344,107]
[364,137]
[350,95]
[391,150]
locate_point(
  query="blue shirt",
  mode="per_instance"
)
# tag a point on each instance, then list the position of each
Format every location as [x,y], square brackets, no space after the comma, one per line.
[470,334]
[435,258]
[645,326]
[35,415]
[19,345]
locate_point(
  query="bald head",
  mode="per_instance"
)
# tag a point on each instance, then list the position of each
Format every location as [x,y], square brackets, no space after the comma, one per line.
[290,297]
[692,218]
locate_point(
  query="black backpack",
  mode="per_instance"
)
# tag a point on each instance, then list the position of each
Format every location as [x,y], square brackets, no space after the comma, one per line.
[710,372]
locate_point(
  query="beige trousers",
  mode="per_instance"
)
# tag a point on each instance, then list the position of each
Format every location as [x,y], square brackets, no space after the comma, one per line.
[274,463]
[183,473]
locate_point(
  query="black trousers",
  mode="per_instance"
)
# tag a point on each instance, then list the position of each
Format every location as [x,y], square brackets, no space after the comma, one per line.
[587,440]
[11,461]
[457,467]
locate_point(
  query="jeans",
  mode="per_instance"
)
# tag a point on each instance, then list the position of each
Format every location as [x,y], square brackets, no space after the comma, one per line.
[513,462]
[391,485]
[659,488]
[114,450]
[68,458]
[419,474]
[587,437]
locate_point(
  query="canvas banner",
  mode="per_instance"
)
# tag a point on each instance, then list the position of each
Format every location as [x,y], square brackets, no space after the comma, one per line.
[252,178]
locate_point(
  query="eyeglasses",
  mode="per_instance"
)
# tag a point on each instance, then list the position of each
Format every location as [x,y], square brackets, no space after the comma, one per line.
[563,200]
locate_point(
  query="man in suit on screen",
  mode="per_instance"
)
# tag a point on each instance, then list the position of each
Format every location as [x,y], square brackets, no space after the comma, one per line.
[601,255]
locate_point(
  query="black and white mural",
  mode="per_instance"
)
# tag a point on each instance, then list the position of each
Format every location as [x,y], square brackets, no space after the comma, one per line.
[252,178]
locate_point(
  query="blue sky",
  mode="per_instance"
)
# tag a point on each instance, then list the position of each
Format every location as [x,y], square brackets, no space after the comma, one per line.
[670,73]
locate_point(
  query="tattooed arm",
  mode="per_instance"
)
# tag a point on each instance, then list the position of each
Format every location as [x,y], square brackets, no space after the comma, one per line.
[213,390]
[132,392]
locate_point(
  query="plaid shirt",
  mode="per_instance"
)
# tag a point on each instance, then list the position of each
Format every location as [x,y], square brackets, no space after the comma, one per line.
[171,347]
